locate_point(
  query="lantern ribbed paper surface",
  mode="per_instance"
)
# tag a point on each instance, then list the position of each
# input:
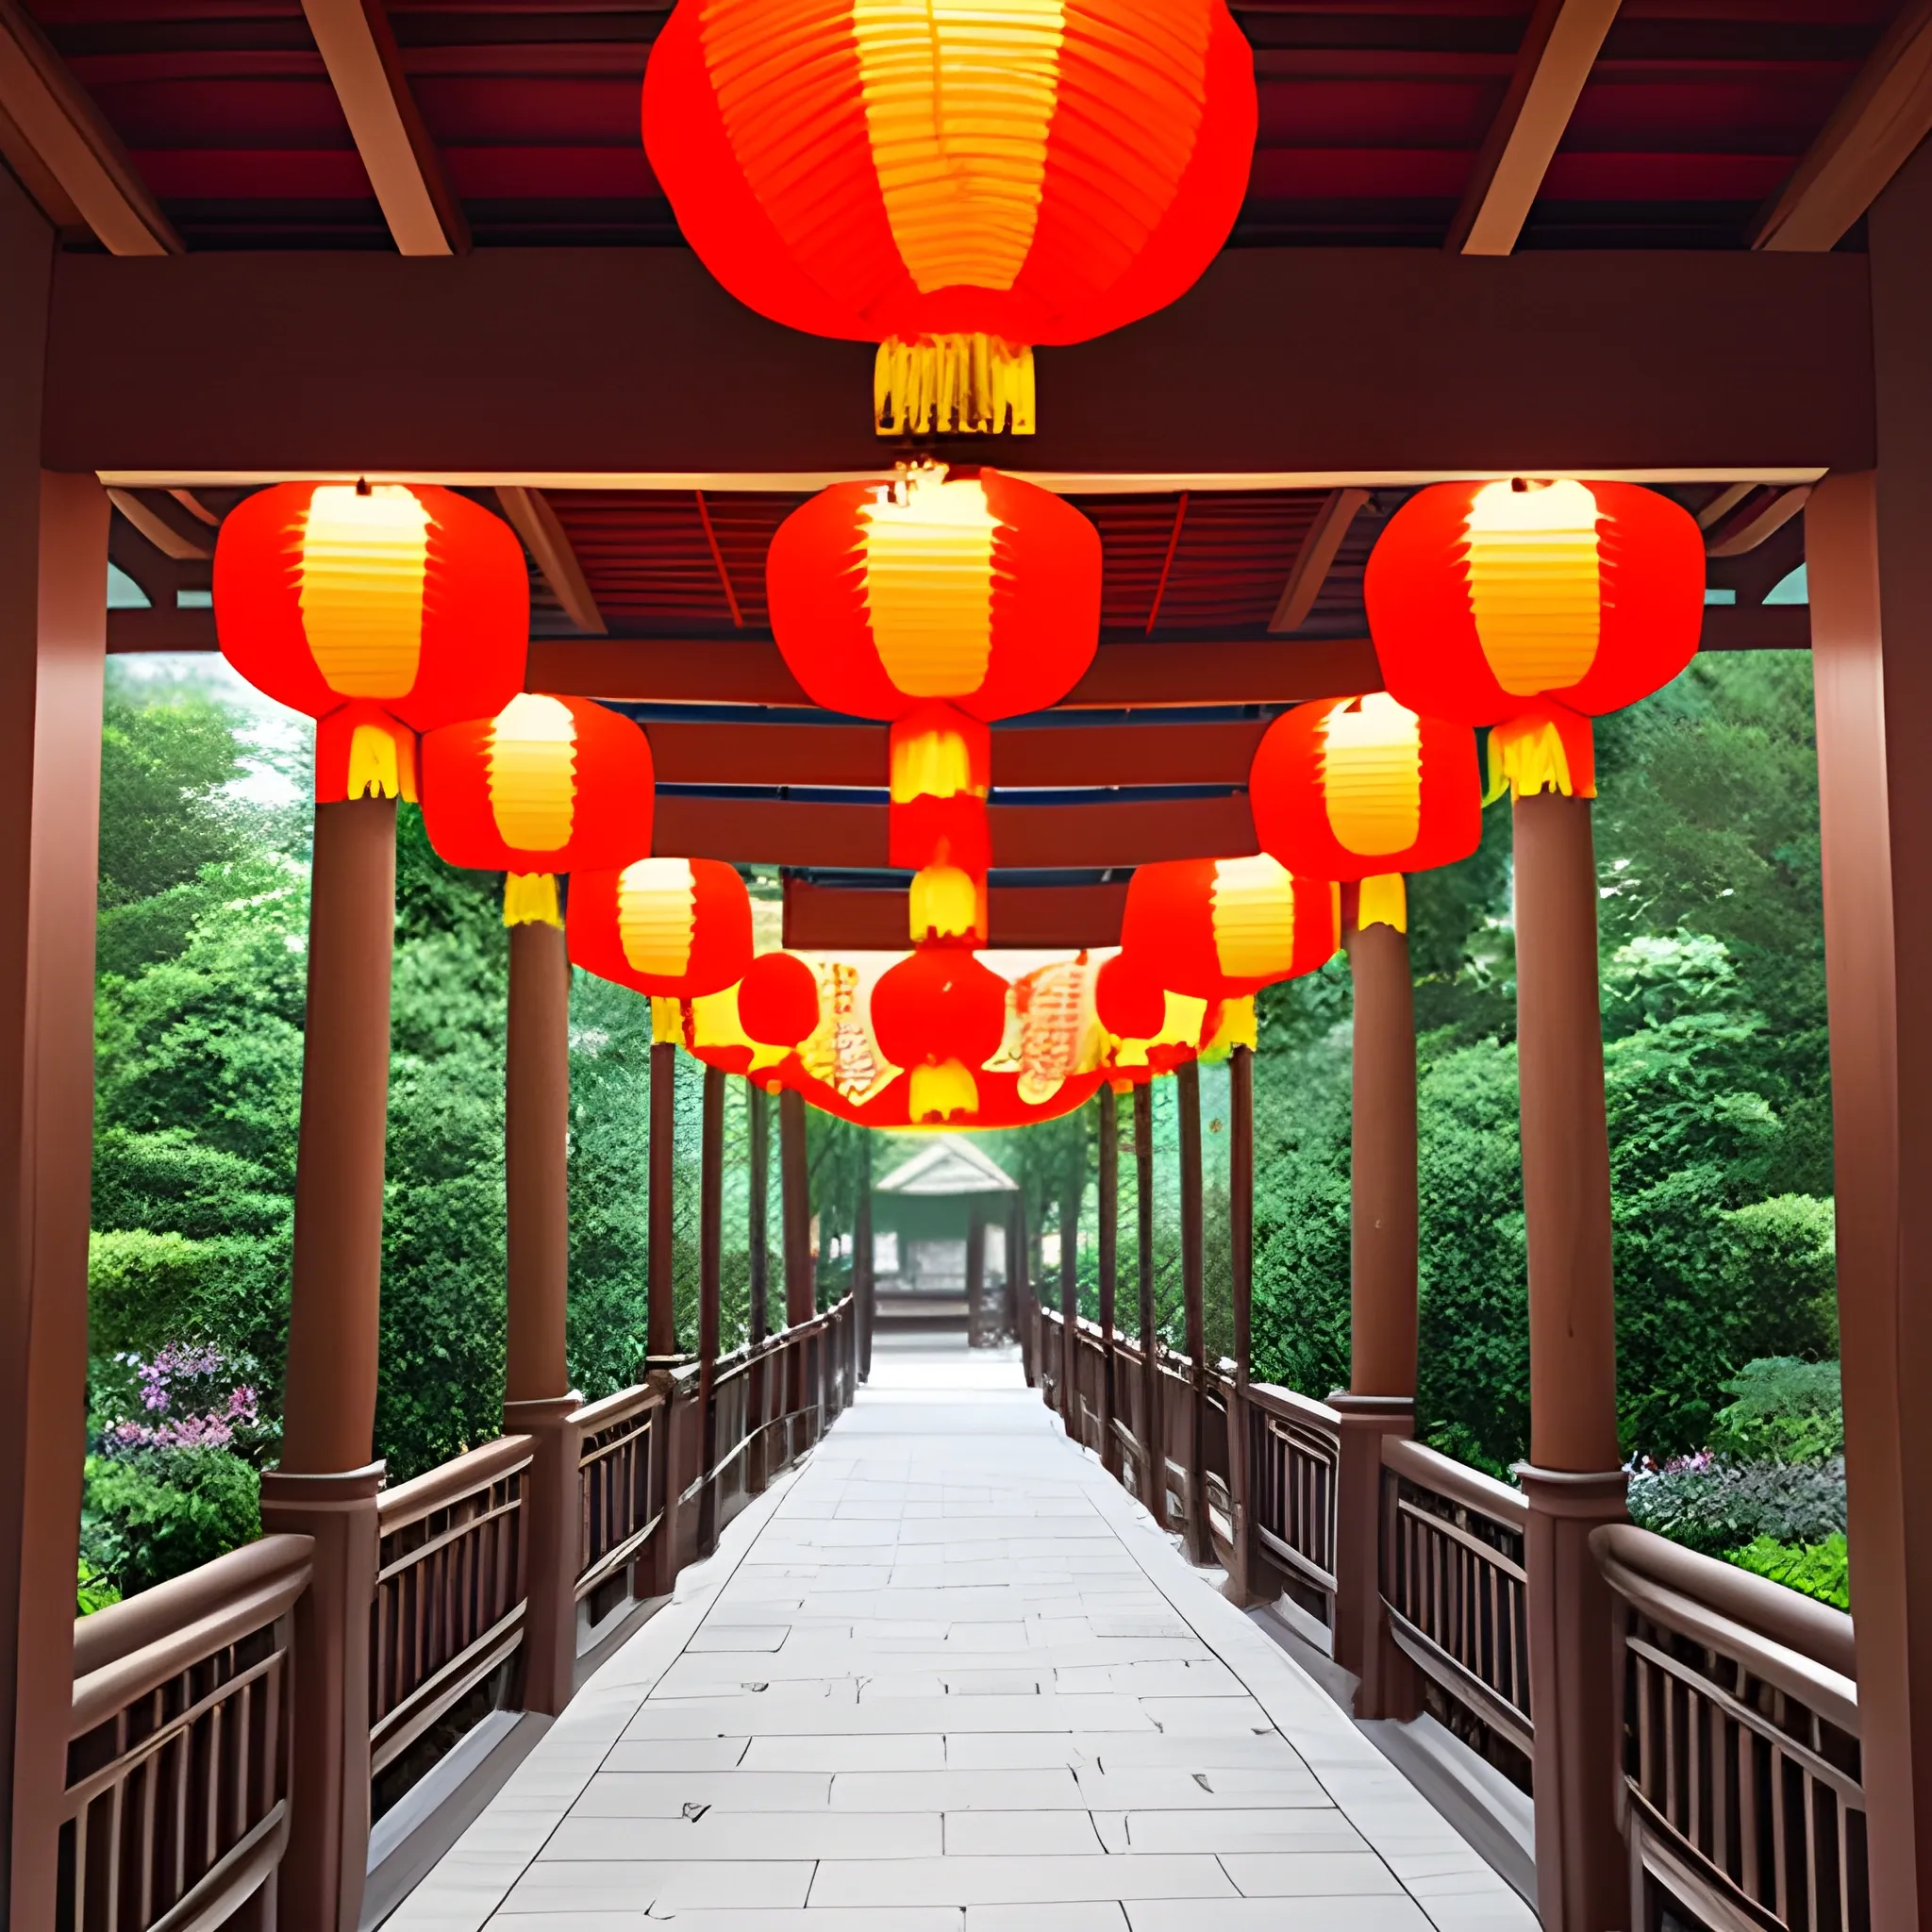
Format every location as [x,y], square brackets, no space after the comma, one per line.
[676,928]
[378,610]
[1533,607]
[1215,928]
[955,179]
[548,785]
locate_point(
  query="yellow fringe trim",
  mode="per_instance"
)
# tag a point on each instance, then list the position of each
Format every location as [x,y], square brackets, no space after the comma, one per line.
[946,903]
[1382,899]
[969,385]
[382,763]
[667,1022]
[1534,753]
[944,1092]
[529,898]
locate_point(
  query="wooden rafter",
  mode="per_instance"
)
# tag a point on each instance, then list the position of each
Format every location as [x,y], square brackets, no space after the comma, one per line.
[61,146]
[1559,47]
[167,537]
[1756,522]
[358,49]
[1315,558]
[1174,545]
[718,560]
[1885,115]
[533,518]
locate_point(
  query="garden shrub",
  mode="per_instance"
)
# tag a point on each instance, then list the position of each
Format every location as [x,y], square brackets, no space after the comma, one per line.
[1822,1570]
[1717,1507]
[1783,1410]
[161,1513]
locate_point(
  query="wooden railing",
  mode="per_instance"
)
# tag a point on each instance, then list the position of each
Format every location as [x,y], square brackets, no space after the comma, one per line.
[1454,1582]
[449,1590]
[1294,1446]
[620,1483]
[176,1805]
[1743,1757]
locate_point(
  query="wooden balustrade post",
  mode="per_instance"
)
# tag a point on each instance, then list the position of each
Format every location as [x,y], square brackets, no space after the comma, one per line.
[1200,1541]
[661,1331]
[1070,1312]
[326,1483]
[538,1398]
[1246,1566]
[1108,1261]
[794,1203]
[864,1288]
[1380,1398]
[1153,1441]
[758,1247]
[711,1286]
[1573,1480]
[53,615]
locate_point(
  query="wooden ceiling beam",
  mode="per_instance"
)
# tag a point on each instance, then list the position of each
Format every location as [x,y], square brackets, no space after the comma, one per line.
[1885,114]
[548,543]
[1559,47]
[161,529]
[852,919]
[1751,524]
[1315,558]
[358,48]
[61,146]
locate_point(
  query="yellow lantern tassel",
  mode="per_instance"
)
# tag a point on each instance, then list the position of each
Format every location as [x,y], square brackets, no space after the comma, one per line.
[667,1022]
[361,751]
[1382,899]
[961,385]
[946,903]
[529,898]
[946,1092]
[1544,749]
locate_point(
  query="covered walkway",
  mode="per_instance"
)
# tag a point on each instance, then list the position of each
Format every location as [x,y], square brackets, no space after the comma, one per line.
[949,1675]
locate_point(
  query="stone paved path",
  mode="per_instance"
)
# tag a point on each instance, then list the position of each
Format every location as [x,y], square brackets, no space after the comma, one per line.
[949,1678]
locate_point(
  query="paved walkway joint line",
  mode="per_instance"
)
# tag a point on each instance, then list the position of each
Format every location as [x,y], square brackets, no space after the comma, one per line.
[950,1678]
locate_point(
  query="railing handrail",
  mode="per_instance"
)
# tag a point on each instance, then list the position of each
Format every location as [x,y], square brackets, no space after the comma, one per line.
[594,1417]
[436,1489]
[1291,1406]
[1803,1647]
[1431,1470]
[139,1644]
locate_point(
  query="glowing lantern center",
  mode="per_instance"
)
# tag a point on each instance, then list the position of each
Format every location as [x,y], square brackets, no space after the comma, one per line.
[656,916]
[1371,775]
[1254,917]
[933,762]
[532,773]
[1535,590]
[927,555]
[365,558]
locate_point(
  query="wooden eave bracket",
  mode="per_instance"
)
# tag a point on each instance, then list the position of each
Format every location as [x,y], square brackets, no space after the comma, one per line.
[358,48]
[65,151]
[1316,559]
[533,518]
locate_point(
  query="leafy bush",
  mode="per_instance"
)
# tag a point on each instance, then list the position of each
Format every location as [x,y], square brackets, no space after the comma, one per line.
[1820,1570]
[1785,1410]
[161,1513]
[1717,1507]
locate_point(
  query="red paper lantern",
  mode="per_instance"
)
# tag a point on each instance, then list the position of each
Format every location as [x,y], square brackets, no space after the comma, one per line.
[981,590]
[941,1015]
[1216,928]
[778,1000]
[1532,608]
[953,180]
[1131,1001]
[1363,788]
[548,785]
[676,928]
[378,610]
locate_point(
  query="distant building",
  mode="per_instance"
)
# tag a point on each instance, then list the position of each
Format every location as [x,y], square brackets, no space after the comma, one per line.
[940,1233]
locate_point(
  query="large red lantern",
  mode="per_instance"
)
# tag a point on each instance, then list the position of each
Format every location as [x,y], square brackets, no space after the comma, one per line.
[1130,999]
[980,589]
[778,1000]
[1216,928]
[941,1015]
[1532,607]
[548,785]
[378,610]
[676,928]
[1363,788]
[953,180]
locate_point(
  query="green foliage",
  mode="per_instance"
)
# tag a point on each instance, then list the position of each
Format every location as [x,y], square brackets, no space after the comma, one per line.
[163,1514]
[93,1590]
[1782,1411]
[1717,1506]
[1820,1570]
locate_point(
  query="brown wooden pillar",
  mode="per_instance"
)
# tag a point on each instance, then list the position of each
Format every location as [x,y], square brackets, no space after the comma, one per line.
[710,1287]
[759,1104]
[53,624]
[326,1483]
[794,1183]
[538,1398]
[864,1294]
[1244,1569]
[1871,587]
[1193,1256]
[1108,1261]
[661,1317]
[1573,1480]
[1020,1292]
[1380,1398]
[1153,1439]
[1070,1310]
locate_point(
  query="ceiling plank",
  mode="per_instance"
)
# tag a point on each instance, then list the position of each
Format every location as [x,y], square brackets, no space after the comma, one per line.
[532,518]
[358,49]
[1559,47]
[850,919]
[152,524]
[1885,114]
[1315,558]
[55,133]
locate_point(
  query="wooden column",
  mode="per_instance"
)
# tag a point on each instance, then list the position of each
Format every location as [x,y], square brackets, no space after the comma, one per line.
[1244,1570]
[759,1104]
[1380,1398]
[538,1398]
[794,1183]
[1108,1263]
[864,1287]
[1870,585]
[53,624]
[662,1319]
[976,1335]
[1070,1312]
[1193,1256]
[1573,1480]
[710,1284]
[1020,1292]
[1152,1440]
